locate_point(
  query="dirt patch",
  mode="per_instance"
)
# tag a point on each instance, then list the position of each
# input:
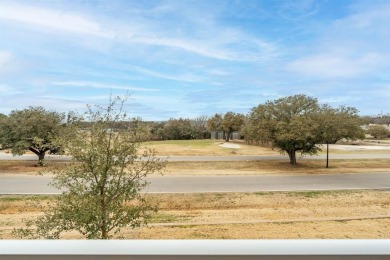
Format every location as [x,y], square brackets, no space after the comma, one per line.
[265,215]
[209,147]
[230,145]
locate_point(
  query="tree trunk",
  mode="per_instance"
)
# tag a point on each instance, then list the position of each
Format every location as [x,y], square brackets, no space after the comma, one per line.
[293,158]
[40,154]
[103,227]
[228,136]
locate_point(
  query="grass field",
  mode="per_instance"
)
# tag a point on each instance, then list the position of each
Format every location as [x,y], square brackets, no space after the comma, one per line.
[266,215]
[207,147]
[213,147]
[233,168]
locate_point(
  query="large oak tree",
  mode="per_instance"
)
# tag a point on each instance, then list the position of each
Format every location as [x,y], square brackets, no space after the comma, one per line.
[34,129]
[298,124]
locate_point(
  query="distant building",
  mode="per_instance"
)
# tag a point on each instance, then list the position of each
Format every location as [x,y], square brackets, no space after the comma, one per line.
[218,135]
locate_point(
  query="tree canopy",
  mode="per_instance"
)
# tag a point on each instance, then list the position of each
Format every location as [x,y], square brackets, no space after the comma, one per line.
[177,129]
[378,131]
[339,123]
[33,129]
[299,123]
[215,123]
[232,122]
[228,123]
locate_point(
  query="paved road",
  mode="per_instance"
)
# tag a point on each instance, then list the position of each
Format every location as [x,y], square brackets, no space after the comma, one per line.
[171,184]
[31,157]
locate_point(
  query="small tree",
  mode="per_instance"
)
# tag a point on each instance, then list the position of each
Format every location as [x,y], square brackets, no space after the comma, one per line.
[215,124]
[232,122]
[103,182]
[199,125]
[378,131]
[33,129]
[178,129]
[339,123]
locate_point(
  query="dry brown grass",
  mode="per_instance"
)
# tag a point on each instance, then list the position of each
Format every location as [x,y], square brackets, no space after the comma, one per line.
[27,167]
[17,166]
[277,167]
[355,229]
[232,167]
[325,214]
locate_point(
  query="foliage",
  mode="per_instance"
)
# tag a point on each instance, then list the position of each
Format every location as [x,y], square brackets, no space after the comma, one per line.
[177,129]
[288,123]
[378,131]
[181,129]
[215,123]
[33,129]
[299,123]
[228,123]
[199,125]
[339,123]
[103,182]
[232,122]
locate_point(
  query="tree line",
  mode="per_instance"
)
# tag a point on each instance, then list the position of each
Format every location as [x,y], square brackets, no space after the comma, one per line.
[292,124]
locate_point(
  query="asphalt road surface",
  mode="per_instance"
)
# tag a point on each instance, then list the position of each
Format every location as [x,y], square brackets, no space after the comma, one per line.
[28,184]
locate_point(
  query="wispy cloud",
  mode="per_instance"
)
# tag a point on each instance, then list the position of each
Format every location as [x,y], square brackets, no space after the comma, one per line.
[335,65]
[299,9]
[53,19]
[182,58]
[352,46]
[8,63]
[218,43]
[5,57]
[87,84]
[189,77]
[7,90]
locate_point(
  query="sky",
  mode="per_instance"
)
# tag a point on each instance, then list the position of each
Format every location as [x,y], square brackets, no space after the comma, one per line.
[184,58]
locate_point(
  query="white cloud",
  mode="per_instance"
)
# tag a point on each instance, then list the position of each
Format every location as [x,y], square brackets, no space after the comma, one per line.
[88,84]
[217,42]
[53,19]
[336,100]
[333,65]
[8,90]
[5,57]
[8,63]
[186,45]
[376,18]
[353,46]
[184,78]
[298,9]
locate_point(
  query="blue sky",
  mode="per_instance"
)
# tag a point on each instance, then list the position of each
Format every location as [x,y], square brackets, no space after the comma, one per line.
[184,58]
